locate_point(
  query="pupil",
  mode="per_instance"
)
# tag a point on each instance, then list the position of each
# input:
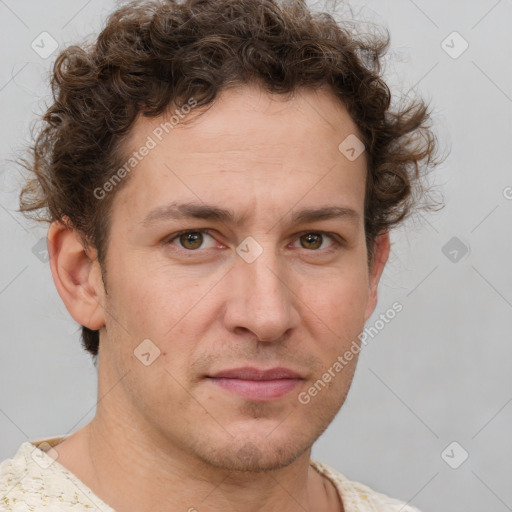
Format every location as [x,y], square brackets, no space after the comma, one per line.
[193,239]
[310,237]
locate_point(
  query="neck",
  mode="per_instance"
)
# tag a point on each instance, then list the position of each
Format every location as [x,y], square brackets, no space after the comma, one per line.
[133,472]
[129,466]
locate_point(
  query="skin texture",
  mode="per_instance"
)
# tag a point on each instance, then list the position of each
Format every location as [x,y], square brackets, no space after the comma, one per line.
[164,436]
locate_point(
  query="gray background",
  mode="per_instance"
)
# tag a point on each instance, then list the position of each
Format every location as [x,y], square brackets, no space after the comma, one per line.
[438,373]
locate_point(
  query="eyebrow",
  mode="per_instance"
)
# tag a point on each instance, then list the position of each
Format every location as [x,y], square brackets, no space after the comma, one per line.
[225,215]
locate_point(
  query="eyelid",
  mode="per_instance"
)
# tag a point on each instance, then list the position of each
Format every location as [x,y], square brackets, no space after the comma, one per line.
[173,237]
[337,239]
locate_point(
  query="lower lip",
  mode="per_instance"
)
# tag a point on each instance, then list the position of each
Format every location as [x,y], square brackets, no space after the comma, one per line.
[260,390]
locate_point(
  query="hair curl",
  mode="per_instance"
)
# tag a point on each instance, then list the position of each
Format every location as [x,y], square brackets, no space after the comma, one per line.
[153,54]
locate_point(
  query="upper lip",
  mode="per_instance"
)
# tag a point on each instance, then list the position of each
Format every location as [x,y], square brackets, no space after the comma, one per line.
[249,373]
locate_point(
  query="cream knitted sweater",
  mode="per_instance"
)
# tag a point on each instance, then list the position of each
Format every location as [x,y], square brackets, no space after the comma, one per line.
[34,481]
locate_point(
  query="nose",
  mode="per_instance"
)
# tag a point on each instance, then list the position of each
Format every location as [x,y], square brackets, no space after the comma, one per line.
[261,298]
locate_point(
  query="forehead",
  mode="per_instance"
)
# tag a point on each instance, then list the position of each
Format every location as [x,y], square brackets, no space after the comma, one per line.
[249,148]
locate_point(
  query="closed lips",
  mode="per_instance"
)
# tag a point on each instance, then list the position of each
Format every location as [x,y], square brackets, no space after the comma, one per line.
[248,373]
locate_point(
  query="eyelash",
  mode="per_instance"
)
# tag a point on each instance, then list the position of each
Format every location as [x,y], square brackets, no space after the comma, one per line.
[338,241]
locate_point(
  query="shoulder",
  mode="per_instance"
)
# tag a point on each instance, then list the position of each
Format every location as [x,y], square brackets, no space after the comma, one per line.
[32,481]
[358,497]
[20,485]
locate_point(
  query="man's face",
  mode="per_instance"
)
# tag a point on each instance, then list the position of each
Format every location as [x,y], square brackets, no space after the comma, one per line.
[293,295]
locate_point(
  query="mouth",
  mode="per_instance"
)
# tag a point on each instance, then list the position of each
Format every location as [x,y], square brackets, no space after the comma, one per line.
[257,385]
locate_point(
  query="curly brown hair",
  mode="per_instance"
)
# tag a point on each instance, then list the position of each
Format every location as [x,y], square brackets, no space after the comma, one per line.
[154,54]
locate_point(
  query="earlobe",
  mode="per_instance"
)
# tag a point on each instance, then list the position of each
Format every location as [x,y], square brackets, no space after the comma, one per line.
[77,276]
[380,257]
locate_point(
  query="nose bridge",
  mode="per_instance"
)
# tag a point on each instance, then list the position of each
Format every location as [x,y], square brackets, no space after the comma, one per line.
[264,302]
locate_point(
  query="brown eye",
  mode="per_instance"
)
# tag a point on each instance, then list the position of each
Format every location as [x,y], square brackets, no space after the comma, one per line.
[191,240]
[314,240]
[311,240]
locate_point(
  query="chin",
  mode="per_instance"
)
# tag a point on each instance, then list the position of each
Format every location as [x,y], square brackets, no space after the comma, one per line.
[252,454]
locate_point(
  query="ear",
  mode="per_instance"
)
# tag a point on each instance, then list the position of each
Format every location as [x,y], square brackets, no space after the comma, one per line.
[77,275]
[380,257]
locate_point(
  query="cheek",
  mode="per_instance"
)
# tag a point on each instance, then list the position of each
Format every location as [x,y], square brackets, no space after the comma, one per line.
[335,314]
[339,296]
[142,293]
[134,319]
[172,319]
